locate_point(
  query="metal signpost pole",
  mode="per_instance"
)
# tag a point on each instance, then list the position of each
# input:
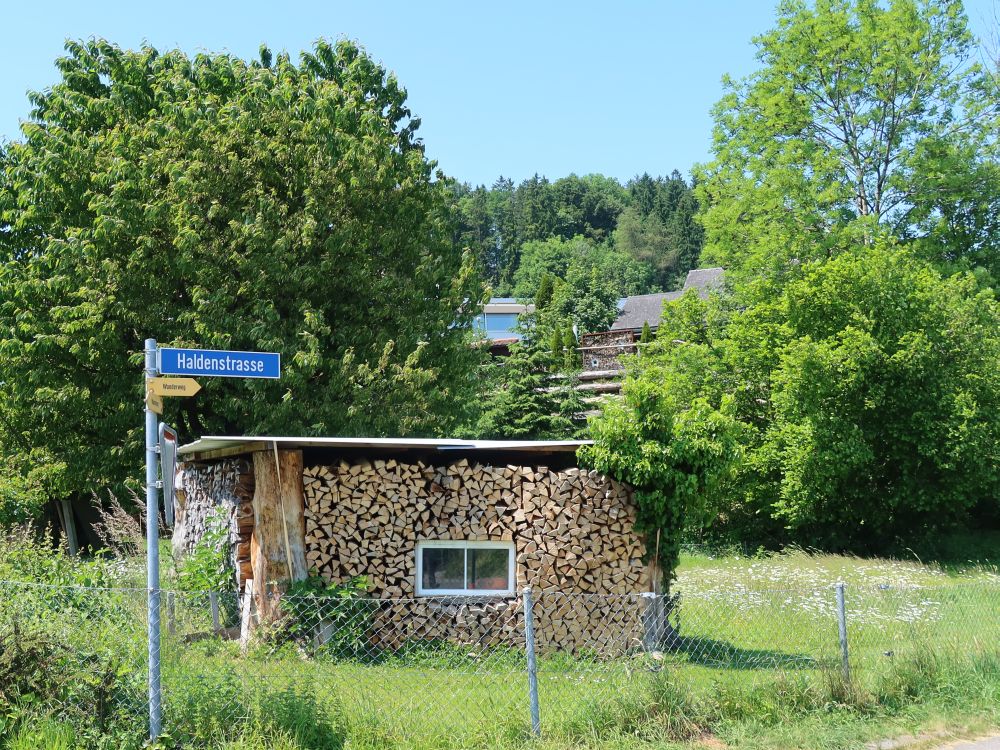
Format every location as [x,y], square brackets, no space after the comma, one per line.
[152,552]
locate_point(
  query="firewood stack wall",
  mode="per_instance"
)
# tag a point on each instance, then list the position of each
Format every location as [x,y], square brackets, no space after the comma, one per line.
[222,489]
[572,532]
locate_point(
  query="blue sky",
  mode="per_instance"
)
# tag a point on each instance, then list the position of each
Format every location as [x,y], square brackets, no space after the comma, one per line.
[510,88]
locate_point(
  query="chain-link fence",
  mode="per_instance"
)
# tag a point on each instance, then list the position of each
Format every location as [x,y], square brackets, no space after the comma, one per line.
[458,667]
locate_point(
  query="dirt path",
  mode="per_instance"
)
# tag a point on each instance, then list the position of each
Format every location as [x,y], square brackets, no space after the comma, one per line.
[987,743]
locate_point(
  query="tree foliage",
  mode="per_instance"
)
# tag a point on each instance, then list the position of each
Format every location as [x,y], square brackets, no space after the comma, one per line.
[659,228]
[845,390]
[865,118]
[674,435]
[864,399]
[520,397]
[218,203]
[510,228]
[885,423]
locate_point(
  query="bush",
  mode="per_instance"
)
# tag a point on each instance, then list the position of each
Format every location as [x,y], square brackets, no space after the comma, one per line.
[854,409]
[28,669]
[205,568]
[342,612]
[103,702]
[22,492]
[25,555]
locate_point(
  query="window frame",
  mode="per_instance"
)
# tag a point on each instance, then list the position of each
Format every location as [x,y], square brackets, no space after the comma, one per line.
[465,546]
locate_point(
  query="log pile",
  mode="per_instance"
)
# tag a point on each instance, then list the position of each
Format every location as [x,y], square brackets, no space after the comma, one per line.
[224,487]
[572,532]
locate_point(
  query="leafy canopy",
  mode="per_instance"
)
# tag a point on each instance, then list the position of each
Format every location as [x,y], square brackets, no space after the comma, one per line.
[846,394]
[674,434]
[224,204]
[859,409]
[865,118]
[516,231]
[885,423]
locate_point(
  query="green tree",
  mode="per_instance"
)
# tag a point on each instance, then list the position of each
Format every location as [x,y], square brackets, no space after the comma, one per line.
[659,228]
[585,299]
[865,118]
[545,290]
[557,257]
[674,436]
[515,231]
[645,238]
[863,399]
[538,258]
[885,423]
[556,345]
[571,358]
[219,203]
[588,206]
[475,230]
[519,396]
[646,337]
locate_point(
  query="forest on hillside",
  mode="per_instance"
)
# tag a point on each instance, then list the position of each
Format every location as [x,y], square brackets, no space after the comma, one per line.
[628,239]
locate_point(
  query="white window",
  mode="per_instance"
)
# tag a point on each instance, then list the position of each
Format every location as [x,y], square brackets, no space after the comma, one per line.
[451,568]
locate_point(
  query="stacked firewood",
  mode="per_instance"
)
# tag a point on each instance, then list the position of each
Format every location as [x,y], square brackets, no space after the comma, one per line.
[572,532]
[218,492]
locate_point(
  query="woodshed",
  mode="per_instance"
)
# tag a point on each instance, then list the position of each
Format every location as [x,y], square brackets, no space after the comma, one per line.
[466,524]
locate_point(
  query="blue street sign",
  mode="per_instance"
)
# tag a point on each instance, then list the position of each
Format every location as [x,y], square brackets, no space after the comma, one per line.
[218,364]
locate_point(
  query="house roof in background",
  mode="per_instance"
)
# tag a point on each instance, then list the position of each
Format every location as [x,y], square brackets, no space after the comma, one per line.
[506,305]
[220,446]
[648,308]
[642,308]
[705,280]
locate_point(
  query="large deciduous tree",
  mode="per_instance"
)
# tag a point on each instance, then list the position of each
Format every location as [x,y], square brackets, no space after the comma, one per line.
[217,203]
[865,118]
[858,409]
[844,392]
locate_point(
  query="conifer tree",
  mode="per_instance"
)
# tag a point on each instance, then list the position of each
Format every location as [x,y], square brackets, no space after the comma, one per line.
[646,337]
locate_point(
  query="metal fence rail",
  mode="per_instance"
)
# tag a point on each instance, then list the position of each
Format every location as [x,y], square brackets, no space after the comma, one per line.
[457,666]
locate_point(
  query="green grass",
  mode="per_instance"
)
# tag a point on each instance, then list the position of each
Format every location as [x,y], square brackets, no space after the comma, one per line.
[758,666]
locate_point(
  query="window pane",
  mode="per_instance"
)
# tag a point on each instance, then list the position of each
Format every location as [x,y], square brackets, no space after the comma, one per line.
[488,569]
[443,568]
[501,325]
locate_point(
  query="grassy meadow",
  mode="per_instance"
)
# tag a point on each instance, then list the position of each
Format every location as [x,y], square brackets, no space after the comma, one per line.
[758,664]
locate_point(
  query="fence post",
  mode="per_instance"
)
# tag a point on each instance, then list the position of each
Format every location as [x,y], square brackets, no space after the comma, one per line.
[171,613]
[652,621]
[213,602]
[529,647]
[842,627]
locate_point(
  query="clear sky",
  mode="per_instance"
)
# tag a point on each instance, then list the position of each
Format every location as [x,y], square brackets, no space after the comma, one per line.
[509,88]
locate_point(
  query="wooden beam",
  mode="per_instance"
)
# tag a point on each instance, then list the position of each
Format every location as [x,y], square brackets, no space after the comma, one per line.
[234,450]
[278,550]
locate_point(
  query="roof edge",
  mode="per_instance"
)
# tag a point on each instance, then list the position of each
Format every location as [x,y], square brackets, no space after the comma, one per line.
[218,446]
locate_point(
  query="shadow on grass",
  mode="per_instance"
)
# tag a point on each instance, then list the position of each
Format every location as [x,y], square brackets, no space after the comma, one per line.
[706,652]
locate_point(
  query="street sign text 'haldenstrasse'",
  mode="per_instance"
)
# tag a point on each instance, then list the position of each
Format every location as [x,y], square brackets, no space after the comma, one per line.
[218,364]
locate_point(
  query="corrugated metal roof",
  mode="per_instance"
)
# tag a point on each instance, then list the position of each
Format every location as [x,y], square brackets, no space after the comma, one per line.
[236,444]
